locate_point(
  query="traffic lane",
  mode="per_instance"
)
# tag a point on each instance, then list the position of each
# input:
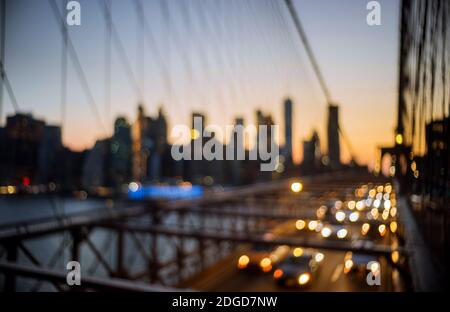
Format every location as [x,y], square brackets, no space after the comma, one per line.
[330,278]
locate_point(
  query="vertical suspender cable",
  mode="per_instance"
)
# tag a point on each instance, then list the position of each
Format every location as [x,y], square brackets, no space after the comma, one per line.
[63,72]
[2,49]
[107,5]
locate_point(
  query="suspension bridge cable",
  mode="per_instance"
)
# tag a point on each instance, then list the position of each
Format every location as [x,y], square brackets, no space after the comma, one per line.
[179,48]
[239,64]
[107,64]
[186,15]
[8,87]
[64,55]
[187,20]
[261,52]
[221,36]
[153,47]
[121,50]
[140,47]
[308,49]
[219,54]
[4,77]
[2,48]
[243,58]
[76,62]
[267,52]
[272,37]
[190,76]
[315,66]
[290,42]
[254,52]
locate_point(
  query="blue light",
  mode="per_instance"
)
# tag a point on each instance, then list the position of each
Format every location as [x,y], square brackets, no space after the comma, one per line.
[166,192]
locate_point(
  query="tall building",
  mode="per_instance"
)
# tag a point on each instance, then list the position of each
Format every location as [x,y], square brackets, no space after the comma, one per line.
[334,150]
[235,172]
[158,137]
[267,144]
[311,154]
[287,150]
[197,167]
[3,155]
[121,152]
[97,162]
[140,146]
[149,137]
[22,135]
[50,156]
[72,169]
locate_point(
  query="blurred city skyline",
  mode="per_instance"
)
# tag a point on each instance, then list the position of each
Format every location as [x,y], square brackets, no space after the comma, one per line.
[237,59]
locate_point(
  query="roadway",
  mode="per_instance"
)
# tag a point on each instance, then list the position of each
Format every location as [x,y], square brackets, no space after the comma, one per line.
[225,276]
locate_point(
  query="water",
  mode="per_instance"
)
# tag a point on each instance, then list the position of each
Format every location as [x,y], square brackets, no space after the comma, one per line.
[45,248]
[15,209]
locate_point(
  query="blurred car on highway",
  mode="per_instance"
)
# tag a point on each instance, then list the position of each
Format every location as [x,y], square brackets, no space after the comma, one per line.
[299,269]
[357,263]
[261,257]
[333,231]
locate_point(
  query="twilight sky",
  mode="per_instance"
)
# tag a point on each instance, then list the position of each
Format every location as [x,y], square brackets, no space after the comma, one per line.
[225,58]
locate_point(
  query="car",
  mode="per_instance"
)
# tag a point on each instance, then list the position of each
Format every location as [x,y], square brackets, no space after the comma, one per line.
[339,232]
[357,263]
[261,257]
[298,269]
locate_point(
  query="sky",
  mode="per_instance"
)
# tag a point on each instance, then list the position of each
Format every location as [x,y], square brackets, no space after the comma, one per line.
[225,58]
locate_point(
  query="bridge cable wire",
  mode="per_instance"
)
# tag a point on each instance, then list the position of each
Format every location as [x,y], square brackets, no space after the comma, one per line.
[153,47]
[77,64]
[286,34]
[267,40]
[107,63]
[259,52]
[58,204]
[4,77]
[120,49]
[186,62]
[186,10]
[2,48]
[140,48]
[211,26]
[224,63]
[8,87]
[315,66]
[308,49]
[63,93]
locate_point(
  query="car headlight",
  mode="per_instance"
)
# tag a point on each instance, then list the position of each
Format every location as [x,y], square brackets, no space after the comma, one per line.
[342,233]
[243,261]
[319,257]
[348,265]
[266,264]
[304,278]
[326,232]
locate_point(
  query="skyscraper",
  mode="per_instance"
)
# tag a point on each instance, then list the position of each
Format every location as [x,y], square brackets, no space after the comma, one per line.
[149,137]
[23,135]
[49,155]
[287,151]
[334,150]
[121,152]
[197,167]
[238,144]
[140,146]
[95,167]
[311,154]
